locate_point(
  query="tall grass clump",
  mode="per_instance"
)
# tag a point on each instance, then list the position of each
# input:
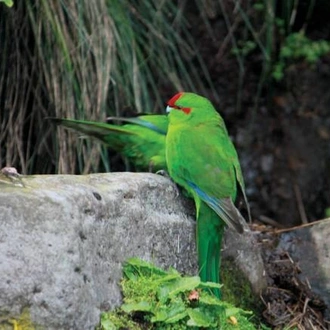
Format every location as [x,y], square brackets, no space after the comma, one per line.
[87,60]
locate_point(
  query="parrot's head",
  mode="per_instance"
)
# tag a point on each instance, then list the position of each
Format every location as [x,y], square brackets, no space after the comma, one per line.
[184,107]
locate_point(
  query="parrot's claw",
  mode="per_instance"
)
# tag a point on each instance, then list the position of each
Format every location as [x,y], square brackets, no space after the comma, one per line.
[176,189]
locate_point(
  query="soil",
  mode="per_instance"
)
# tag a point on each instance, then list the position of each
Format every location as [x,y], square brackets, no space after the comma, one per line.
[288,301]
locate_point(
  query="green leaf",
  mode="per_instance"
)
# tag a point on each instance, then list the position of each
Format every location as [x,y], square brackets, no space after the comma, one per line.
[327,212]
[170,313]
[232,311]
[8,3]
[106,323]
[278,72]
[207,299]
[181,284]
[259,6]
[142,306]
[168,278]
[177,317]
[199,319]
[134,268]
[160,316]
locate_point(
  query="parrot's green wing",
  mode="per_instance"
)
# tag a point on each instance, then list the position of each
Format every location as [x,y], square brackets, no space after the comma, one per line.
[144,146]
[212,174]
[224,207]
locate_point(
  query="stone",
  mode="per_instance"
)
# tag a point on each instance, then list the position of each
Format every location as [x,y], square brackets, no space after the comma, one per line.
[245,252]
[309,247]
[64,238]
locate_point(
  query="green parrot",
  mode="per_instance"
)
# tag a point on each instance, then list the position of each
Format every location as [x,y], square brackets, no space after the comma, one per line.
[141,139]
[202,159]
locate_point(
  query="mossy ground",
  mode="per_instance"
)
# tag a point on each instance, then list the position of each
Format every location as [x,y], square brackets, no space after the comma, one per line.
[155,299]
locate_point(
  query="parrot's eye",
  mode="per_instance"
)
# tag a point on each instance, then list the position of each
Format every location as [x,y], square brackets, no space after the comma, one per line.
[185,110]
[171,105]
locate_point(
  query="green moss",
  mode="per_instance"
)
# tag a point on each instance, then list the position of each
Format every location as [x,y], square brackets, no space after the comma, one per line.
[155,299]
[118,320]
[237,289]
[299,47]
[21,322]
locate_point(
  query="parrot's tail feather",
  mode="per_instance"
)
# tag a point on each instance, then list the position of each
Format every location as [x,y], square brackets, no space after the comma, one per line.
[209,236]
[106,133]
[230,214]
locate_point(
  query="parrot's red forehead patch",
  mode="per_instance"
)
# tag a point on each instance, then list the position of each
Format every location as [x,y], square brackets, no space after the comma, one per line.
[172,101]
[172,104]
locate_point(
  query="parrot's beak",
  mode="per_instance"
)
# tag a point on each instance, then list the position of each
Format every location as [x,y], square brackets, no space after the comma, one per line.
[168,109]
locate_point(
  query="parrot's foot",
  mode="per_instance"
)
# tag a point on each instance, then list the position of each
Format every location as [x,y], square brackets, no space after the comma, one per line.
[166,175]
[163,173]
[176,189]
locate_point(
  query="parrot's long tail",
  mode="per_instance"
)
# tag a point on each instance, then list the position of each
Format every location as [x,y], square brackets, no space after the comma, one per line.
[210,230]
[112,135]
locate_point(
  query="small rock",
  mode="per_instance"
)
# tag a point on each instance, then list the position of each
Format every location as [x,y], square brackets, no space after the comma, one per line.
[309,247]
[267,163]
